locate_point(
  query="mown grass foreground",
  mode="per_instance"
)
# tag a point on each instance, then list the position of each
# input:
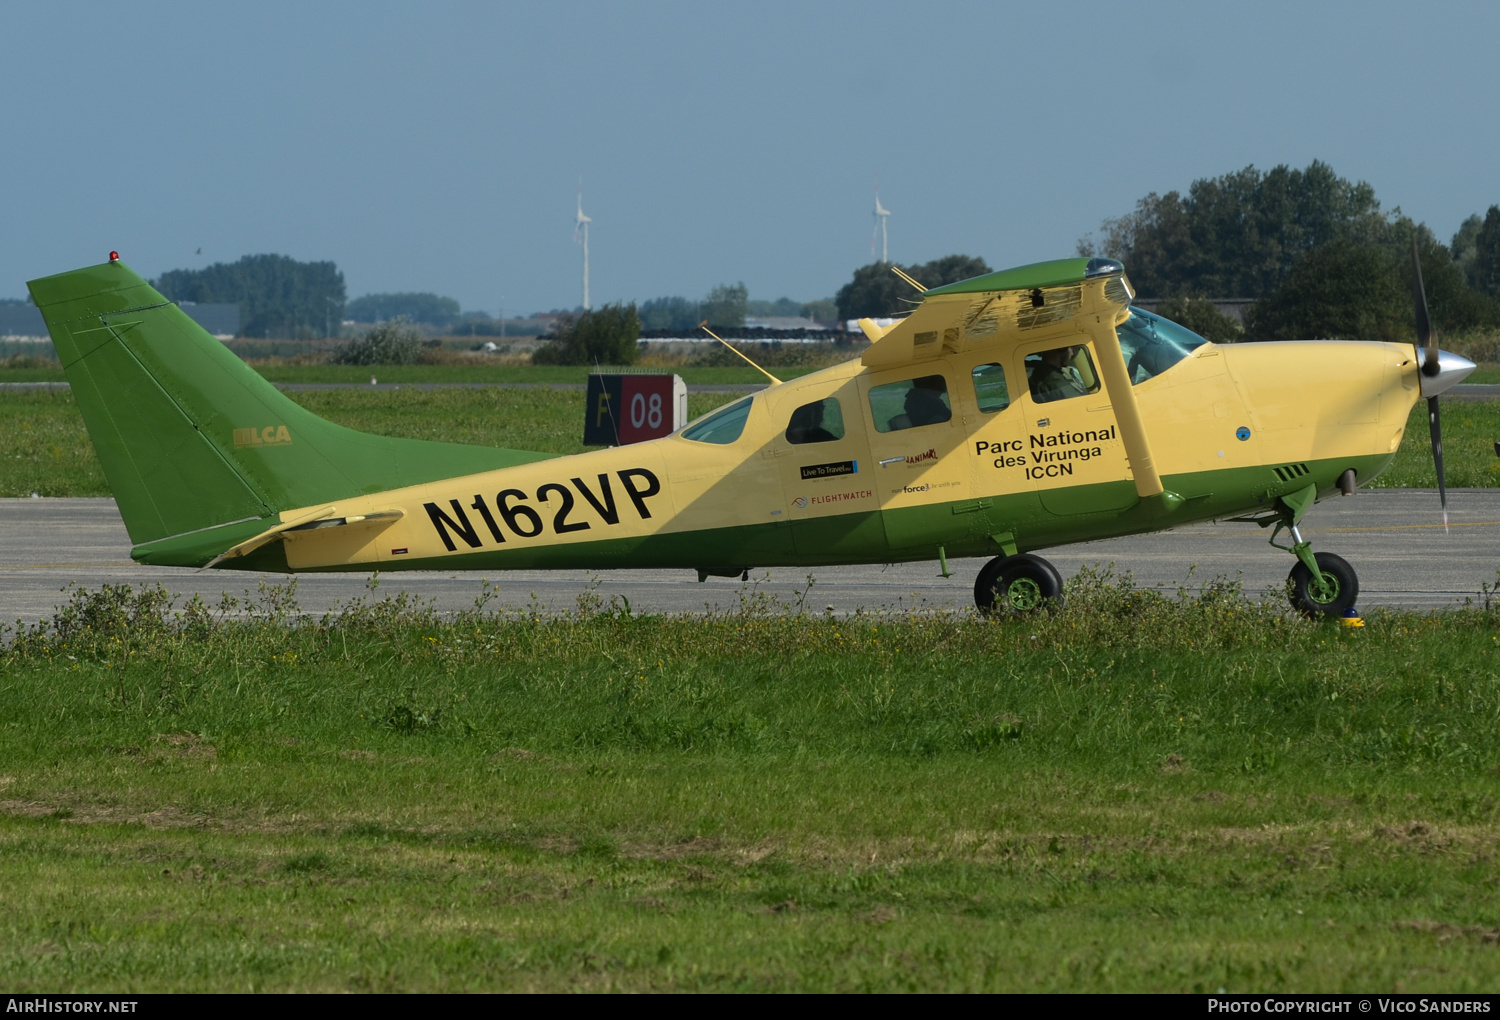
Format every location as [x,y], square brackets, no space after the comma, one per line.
[1134,792]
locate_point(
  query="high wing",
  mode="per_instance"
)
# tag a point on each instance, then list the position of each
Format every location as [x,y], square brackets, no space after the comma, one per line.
[1002,308]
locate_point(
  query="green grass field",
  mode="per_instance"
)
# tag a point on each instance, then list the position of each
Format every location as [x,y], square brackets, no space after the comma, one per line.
[48,450]
[1136,793]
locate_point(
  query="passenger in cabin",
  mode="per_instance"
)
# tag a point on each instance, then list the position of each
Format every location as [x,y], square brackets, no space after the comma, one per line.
[1054,377]
[924,404]
[1152,359]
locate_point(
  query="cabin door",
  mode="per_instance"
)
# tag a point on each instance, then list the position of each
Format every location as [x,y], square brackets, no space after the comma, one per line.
[1074,456]
[824,468]
[919,468]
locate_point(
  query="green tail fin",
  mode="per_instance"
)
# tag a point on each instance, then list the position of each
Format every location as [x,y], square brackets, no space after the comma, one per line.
[197,447]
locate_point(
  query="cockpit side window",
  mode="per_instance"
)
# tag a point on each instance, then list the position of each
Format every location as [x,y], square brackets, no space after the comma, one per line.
[1152,345]
[822,421]
[722,427]
[910,403]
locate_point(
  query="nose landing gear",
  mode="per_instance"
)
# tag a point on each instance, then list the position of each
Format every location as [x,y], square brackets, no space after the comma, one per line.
[1328,593]
[1322,584]
[1017,584]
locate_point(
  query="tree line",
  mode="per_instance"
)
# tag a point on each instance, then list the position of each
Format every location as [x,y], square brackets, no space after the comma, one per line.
[426,308]
[610,335]
[1315,252]
[278,296]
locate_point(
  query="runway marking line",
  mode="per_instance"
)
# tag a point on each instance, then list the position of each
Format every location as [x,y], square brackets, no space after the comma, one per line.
[1200,531]
[59,566]
[1411,527]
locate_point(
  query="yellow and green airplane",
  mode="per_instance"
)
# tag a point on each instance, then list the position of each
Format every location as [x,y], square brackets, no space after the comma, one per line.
[1016,411]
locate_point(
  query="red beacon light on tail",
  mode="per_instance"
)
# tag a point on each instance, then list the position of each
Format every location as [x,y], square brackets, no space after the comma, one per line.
[114,256]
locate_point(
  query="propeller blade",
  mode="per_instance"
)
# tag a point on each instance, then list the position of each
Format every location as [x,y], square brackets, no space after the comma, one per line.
[1435,427]
[1424,322]
[1430,367]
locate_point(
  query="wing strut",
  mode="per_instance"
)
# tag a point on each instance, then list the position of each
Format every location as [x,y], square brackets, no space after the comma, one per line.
[1098,320]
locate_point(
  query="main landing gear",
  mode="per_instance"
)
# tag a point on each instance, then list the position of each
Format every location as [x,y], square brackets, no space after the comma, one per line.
[1017,584]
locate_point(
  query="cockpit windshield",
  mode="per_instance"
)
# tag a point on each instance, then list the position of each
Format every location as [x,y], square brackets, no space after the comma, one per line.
[722,427]
[1152,345]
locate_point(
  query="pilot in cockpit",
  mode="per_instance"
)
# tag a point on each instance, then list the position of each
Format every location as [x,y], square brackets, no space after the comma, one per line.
[1053,377]
[807,425]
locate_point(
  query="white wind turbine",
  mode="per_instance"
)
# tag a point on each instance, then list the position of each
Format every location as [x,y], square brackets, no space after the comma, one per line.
[581,234]
[881,212]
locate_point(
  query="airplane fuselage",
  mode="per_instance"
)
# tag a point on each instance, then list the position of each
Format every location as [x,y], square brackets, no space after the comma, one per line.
[1231,428]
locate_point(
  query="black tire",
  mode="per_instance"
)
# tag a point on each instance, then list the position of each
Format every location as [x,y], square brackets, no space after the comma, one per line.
[1332,599]
[1017,585]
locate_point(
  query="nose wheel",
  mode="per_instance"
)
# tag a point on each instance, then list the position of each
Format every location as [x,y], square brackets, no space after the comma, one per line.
[1017,584]
[1332,591]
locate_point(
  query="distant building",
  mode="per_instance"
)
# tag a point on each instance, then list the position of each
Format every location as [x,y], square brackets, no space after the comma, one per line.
[223,321]
[782,322]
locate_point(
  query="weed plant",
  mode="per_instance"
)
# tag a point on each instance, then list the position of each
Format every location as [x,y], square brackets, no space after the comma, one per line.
[1134,791]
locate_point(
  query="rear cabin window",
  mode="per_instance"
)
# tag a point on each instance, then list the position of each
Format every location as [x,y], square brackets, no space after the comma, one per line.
[910,403]
[822,421]
[989,388]
[721,427]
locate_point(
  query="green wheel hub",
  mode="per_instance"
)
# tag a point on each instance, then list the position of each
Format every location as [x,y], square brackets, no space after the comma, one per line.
[1324,589]
[1024,595]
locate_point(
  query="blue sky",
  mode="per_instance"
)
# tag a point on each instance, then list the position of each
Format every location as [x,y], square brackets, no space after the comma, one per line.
[439,146]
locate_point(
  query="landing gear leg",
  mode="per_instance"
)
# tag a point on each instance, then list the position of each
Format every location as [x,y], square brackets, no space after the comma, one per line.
[1017,584]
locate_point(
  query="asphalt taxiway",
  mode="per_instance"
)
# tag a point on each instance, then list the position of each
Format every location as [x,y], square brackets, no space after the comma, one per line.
[1394,538]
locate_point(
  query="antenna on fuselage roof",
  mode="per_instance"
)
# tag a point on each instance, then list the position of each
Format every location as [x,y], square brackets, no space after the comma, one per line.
[908,279]
[599,370]
[704,326]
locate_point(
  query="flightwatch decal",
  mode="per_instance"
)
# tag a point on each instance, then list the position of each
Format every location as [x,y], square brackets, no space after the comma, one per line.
[522,520]
[839,497]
